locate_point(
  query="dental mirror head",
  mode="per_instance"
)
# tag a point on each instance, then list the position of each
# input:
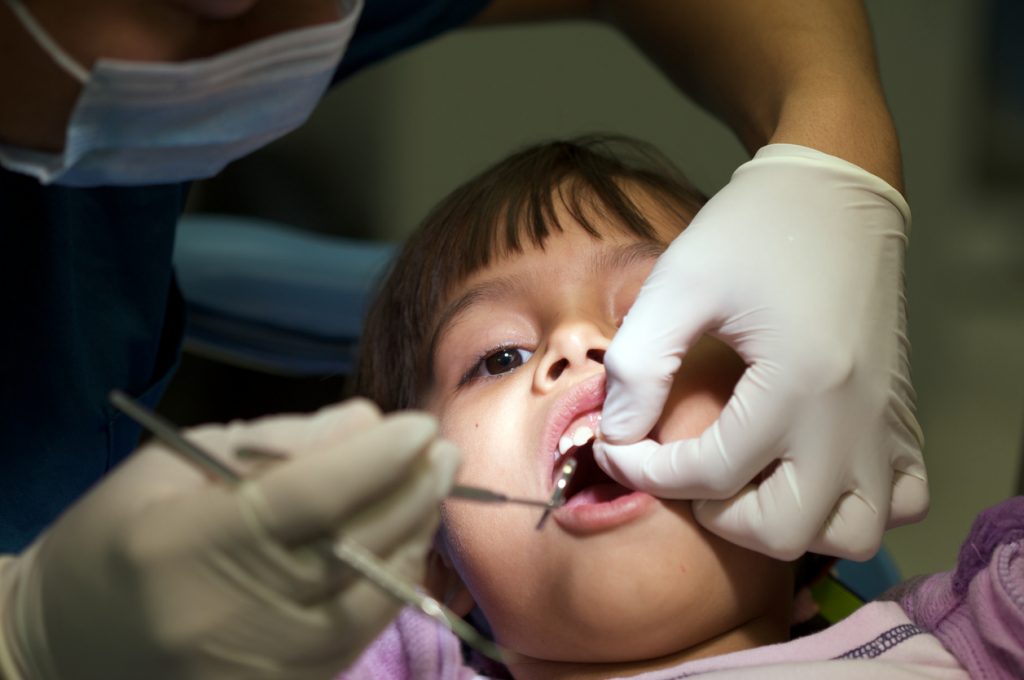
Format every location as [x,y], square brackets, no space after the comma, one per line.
[558,495]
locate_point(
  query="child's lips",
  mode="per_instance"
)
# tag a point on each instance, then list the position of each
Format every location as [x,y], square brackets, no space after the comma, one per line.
[603,507]
[580,405]
[596,502]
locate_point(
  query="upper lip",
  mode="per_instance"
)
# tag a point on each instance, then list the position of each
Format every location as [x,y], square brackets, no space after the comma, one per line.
[582,398]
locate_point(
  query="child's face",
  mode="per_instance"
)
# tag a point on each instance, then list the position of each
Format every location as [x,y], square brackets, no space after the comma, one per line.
[615,575]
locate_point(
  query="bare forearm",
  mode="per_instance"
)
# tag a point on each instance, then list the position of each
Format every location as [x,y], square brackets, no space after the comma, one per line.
[798,71]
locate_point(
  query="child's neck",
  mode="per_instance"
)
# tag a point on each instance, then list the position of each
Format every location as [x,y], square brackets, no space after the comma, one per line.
[758,632]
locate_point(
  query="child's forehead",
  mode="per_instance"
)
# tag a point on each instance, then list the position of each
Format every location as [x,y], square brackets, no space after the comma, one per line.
[565,262]
[567,253]
[586,230]
[608,250]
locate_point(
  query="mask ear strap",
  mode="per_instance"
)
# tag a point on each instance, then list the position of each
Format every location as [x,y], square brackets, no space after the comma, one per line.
[46,41]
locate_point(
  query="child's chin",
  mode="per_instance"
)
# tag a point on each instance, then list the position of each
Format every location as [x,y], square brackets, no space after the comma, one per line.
[602,636]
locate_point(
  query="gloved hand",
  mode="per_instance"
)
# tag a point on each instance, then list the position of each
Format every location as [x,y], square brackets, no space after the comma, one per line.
[160,573]
[798,265]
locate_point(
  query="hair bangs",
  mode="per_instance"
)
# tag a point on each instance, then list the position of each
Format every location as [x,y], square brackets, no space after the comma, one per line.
[512,206]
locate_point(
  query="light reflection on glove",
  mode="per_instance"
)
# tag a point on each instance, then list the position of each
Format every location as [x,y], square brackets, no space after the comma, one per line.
[798,265]
[159,573]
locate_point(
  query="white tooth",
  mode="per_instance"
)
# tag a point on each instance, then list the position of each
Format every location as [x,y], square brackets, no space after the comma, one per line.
[582,436]
[564,444]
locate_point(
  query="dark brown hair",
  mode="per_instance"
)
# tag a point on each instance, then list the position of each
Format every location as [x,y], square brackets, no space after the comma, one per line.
[495,215]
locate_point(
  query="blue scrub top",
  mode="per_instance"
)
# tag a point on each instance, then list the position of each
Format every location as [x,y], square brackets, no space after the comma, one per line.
[89,303]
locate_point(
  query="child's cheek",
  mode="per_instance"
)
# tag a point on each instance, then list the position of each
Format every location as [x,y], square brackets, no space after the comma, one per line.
[490,437]
[700,391]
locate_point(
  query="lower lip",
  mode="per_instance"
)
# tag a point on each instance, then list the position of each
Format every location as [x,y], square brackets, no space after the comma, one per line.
[603,507]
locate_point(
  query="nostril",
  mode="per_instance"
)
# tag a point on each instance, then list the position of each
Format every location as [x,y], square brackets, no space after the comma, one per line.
[596,355]
[556,369]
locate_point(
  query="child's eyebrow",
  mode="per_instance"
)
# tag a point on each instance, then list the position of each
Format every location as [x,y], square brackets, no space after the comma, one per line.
[488,291]
[602,260]
[621,257]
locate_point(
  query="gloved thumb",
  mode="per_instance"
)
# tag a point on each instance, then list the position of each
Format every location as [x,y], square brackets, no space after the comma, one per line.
[648,349]
[312,495]
[718,463]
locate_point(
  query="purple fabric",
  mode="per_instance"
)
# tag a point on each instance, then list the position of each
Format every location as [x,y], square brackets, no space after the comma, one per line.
[977,611]
[1003,523]
[413,647]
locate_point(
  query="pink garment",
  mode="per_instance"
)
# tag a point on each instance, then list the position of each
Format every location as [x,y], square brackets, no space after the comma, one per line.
[952,626]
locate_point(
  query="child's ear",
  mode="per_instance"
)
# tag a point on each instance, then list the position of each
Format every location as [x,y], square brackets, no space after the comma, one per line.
[444,583]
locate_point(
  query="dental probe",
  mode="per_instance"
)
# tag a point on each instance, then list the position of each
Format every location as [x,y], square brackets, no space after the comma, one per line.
[339,549]
[473,493]
[558,495]
[469,493]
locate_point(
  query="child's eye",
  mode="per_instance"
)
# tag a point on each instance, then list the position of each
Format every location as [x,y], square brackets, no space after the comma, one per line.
[502,360]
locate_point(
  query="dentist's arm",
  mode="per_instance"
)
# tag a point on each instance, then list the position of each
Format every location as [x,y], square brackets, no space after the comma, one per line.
[160,573]
[793,71]
[797,263]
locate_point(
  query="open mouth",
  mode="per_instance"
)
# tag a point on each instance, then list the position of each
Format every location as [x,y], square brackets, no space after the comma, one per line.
[593,501]
[590,484]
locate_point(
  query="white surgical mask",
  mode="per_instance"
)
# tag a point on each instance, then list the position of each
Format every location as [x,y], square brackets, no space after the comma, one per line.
[153,123]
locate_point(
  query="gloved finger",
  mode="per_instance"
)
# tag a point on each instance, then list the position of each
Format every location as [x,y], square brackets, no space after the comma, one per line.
[728,454]
[404,521]
[289,434]
[325,426]
[408,514]
[311,572]
[388,522]
[909,495]
[667,318]
[360,609]
[407,562]
[853,530]
[286,434]
[303,639]
[340,420]
[778,517]
[312,495]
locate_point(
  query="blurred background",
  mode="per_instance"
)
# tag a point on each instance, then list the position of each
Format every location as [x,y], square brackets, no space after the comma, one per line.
[388,143]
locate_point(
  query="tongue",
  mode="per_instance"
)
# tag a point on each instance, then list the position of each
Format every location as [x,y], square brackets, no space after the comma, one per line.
[599,493]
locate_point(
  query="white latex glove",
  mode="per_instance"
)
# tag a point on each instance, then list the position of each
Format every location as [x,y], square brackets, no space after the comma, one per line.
[798,265]
[159,573]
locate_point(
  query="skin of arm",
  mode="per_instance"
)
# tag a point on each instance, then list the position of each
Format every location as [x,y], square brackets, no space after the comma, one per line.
[775,71]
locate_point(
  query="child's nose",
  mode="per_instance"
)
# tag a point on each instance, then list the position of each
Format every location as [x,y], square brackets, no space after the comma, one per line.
[573,346]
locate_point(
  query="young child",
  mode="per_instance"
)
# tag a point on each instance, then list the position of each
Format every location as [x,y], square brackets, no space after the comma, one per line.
[495,318]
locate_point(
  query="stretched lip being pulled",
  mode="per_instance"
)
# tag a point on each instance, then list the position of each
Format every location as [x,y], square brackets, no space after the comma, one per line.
[584,399]
[594,501]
